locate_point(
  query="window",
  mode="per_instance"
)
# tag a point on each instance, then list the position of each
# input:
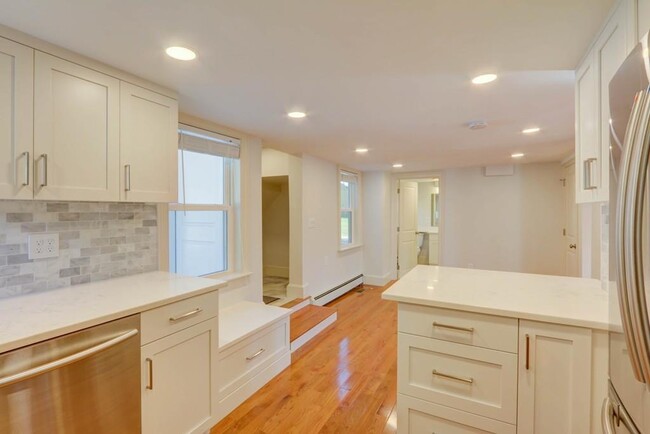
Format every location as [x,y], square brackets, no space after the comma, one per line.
[349,194]
[202,226]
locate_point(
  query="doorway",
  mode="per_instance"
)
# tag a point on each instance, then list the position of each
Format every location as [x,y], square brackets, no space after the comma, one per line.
[570,230]
[418,230]
[275,237]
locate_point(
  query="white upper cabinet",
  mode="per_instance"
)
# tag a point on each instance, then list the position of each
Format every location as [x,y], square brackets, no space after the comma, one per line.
[16,120]
[592,106]
[76,131]
[148,145]
[642,18]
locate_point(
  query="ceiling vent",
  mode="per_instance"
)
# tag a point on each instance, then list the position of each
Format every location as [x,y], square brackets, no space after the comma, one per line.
[477,125]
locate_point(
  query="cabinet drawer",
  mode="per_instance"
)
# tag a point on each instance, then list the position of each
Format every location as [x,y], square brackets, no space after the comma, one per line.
[243,361]
[475,329]
[168,319]
[415,416]
[472,379]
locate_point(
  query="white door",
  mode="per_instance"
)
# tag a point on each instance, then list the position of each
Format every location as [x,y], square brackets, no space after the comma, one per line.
[148,145]
[572,261]
[408,222]
[76,131]
[16,120]
[554,379]
[178,383]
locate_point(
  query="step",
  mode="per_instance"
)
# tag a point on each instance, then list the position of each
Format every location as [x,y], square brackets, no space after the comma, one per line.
[308,322]
[297,303]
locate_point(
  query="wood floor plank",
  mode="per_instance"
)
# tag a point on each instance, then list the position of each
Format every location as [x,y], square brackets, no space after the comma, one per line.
[342,381]
[307,318]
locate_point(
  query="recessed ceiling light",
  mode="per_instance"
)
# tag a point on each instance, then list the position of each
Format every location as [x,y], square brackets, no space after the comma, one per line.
[296,115]
[180,53]
[485,78]
[517,155]
[398,165]
[530,130]
[361,150]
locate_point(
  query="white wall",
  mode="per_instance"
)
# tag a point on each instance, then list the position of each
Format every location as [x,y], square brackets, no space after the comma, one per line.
[324,266]
[510,223]
[376,228]
[275,226]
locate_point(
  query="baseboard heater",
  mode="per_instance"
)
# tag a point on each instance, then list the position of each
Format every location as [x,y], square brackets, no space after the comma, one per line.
[338,291]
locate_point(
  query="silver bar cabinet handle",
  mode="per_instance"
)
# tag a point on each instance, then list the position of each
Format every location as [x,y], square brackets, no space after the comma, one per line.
[249,358]
[452,377]
[186,315]
[453,327]
[587,174]
[66,360]
[127,177]
[27,180]
[44,158]
[150,370]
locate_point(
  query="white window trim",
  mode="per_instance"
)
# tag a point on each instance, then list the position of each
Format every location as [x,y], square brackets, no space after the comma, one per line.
[357,217]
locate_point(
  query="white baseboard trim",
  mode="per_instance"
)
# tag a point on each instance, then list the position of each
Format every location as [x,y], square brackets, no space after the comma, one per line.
[303,339]
[296,291]
[276,270]
[304,303]
[376,280]
[232,401]
[326,297]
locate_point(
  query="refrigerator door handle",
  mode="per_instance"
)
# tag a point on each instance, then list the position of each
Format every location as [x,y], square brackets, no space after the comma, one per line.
[625,280]
[607,416]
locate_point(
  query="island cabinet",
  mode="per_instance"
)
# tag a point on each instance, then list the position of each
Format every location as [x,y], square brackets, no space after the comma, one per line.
[466,372]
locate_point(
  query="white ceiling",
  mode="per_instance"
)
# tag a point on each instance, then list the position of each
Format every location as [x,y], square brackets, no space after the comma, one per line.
[389,75]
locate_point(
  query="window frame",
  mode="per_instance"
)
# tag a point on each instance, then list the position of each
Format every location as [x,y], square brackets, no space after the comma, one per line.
[355,209]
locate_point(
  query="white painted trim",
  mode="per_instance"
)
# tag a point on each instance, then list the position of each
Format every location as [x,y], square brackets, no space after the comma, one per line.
[377,280]
[339,292]
[306,302]
[313,332]
[296,291]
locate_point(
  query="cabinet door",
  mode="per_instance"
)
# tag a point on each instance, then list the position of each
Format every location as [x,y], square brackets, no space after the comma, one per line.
[178,384]
[554,379]
[16,120]
[76,131]
[587,153]
[642,17]
[148,145]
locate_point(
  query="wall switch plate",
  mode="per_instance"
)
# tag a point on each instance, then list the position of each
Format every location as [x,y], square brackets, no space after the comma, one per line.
[43,246]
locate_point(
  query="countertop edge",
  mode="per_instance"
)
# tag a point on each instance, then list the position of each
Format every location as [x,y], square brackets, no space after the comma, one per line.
[60,331]
[594,325]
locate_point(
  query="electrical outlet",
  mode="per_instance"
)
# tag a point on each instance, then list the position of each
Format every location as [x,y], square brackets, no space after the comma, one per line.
[43,246]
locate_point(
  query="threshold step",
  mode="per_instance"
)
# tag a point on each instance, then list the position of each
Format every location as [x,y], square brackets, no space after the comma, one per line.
[297,304]
[308,322]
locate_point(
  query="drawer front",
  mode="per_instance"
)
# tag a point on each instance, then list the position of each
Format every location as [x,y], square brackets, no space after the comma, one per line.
[243,361]
[165,320]
[472,379]
[415,416]
[475,329]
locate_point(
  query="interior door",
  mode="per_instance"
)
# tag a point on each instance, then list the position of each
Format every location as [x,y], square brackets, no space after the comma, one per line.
[408,222]
[572,261]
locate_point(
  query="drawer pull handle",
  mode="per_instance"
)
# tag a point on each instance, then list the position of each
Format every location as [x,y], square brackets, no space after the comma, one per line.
[452,377]
[249,358]
[150,366]
[452,327]
[186,315]
[527,352]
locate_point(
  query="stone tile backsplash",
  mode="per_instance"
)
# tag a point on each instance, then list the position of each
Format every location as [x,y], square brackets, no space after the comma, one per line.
[97,241]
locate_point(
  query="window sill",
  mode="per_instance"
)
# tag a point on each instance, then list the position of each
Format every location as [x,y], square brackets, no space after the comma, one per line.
[352,247]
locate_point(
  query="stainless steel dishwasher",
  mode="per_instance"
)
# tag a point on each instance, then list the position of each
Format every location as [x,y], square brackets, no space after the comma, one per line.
[83,382]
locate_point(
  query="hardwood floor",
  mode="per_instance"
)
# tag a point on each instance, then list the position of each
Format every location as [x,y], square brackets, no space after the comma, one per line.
[342,381]
[307,318]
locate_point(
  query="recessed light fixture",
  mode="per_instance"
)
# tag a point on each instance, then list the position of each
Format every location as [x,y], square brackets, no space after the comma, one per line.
[517,155]
[296,115]
[531,130]
[398,165]
[180,53]
[361,150]
[485,78]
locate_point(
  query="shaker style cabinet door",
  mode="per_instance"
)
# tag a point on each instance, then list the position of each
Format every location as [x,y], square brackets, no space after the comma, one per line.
[16,120]
[554,379]
[148,146]
[76,132]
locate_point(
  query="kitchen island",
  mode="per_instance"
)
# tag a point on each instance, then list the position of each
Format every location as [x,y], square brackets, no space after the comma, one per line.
[500,352]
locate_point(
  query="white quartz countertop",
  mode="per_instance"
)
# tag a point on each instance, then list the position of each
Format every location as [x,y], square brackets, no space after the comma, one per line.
[32,318]
[555,299]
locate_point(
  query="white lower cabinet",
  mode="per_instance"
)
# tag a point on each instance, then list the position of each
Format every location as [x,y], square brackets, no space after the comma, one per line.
[178,389]
[554,379]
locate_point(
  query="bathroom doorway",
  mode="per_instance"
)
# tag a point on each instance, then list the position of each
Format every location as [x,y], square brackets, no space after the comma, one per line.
[418,230]
[275,237]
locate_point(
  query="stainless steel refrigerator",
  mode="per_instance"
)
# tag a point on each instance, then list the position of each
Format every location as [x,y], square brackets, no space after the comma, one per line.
[627,408]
